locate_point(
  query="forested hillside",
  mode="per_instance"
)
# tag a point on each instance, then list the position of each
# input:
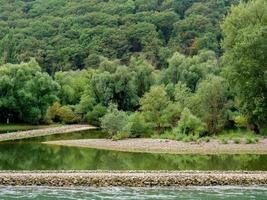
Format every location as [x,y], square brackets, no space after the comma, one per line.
[73,34]
[135,67]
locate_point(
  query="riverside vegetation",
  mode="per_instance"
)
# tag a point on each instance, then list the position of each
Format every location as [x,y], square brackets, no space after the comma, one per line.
[184,70]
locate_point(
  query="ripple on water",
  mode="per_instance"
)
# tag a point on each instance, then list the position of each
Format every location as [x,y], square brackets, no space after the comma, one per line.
[124,193]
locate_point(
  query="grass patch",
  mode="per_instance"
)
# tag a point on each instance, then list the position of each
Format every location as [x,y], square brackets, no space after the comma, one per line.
[190,138]
[251,140]
[224,140]
[237,136]
[205,139]
[236,140]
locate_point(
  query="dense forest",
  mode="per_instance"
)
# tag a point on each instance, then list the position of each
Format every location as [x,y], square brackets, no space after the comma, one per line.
[135,67]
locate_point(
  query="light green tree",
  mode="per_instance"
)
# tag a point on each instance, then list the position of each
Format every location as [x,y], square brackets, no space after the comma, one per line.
[245,39]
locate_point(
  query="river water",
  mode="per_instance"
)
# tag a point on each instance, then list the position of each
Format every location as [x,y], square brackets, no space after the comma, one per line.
[31,154]
[121,193]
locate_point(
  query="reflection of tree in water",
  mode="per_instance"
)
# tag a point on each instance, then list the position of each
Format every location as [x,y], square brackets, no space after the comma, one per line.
[38,156]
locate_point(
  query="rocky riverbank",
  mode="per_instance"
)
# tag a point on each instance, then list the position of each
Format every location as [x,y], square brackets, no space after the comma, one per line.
[131,178]
[44,132]
[167,146]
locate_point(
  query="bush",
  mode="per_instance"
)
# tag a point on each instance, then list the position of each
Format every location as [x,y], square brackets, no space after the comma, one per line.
[236,140]
[224,141]
[190,138]
[114,121]
[93,117]
[205,139]
[120,136]
[62,114]
[67,115]
[241,121]
[167,135]
[180,137]
[189,124]
[137,125]
[251,140]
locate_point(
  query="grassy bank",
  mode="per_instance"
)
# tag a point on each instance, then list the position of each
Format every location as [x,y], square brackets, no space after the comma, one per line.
[233,136]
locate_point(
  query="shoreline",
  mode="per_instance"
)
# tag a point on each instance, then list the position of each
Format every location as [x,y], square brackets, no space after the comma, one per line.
[165,146]
[132,178]
[44,131]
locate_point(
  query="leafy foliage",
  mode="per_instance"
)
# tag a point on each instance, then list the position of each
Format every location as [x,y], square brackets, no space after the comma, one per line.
[25,92]
[189,124]
[245,57]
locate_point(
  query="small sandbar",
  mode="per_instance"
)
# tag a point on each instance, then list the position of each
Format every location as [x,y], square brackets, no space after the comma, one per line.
[131,178]
[166,146]
[44,132]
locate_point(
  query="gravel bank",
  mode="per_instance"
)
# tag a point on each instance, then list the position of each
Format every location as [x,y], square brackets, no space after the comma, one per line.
[44,131]
[167,146]
[131,178]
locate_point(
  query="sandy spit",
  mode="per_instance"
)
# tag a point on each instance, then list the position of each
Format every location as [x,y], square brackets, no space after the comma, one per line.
[166,146]
[44,131]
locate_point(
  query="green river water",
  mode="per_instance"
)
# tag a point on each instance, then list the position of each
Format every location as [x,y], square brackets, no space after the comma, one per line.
[31,154]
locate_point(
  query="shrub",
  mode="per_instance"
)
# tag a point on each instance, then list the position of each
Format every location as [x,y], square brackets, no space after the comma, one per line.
[137,125]
[205,139]
[114,121]
[63,114]
[52,114]
[180,137]
[190,138]
[251,140]
[168,135]
[224,141]
[236,140]
[241,121]
[120,136]
[189,124]
[93,117]
[67,115]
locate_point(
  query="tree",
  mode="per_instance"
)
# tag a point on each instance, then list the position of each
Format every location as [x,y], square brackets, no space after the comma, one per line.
[155,106]
[7,50]
[190,70]
[117,87]
[114,121]
[62,114]
[144,75]
[137,125]
[245,57]
[25,92]
[210,103]
[182,94]
[72,85]
[190,124]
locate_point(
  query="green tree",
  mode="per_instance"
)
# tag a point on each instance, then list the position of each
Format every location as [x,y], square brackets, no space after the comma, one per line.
[155,106]
[245,57]
[114,121]
[210,103]
[117,87]
[144,75]
[7,50]
[190,124]
[25,92]
[190,70]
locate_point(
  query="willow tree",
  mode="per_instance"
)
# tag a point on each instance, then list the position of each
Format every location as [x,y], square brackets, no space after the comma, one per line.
[245,39]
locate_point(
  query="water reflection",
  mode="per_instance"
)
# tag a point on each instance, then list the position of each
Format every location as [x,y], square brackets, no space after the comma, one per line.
[37,156]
